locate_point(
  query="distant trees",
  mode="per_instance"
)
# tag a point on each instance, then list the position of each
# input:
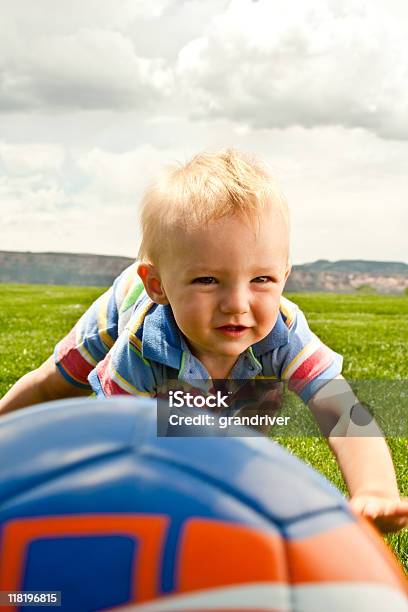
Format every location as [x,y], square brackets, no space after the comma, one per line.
[366,289]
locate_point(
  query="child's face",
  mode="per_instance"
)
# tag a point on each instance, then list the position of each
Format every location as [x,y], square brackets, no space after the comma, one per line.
[224,283]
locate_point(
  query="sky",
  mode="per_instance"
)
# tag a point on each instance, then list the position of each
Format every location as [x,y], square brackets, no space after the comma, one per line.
[97,95]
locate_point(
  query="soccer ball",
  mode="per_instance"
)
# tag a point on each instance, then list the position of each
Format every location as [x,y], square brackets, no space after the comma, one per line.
[97,507]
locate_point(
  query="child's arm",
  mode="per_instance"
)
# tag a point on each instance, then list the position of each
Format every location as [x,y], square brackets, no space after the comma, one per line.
[41,385]
[363,457]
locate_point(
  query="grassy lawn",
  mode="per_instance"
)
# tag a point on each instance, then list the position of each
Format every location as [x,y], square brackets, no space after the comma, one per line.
[371,332]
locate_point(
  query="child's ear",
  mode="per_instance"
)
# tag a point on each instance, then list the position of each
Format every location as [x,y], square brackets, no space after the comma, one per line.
[151,280]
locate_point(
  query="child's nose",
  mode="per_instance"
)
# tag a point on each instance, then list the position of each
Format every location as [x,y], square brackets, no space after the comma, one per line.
[234,301]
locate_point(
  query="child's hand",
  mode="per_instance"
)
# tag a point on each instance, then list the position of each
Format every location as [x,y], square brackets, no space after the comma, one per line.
[388,514]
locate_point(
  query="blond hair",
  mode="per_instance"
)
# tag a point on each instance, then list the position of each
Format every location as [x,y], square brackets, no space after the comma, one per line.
[207,188]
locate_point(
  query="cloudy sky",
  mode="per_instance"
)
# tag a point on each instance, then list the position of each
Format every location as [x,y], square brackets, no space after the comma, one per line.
[96,95]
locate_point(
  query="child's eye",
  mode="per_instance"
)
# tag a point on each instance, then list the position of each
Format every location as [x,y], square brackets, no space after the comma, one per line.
[205,280]
[262,279]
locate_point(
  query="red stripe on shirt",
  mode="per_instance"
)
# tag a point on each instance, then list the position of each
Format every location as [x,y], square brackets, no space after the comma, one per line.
[71,360]
[314,365]
[109,386]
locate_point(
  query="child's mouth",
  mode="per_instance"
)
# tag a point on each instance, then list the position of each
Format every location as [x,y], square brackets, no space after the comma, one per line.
[232,330]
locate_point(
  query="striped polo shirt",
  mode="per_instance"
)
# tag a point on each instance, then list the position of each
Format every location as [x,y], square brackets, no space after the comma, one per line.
[127,344]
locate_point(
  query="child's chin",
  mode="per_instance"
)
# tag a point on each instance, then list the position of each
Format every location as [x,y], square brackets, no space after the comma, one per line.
[234,351]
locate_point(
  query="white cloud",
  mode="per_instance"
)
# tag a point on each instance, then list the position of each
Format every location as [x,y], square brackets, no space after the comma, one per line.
[45,16]
[89,69]
[30,158]
[288,63]
[118,179]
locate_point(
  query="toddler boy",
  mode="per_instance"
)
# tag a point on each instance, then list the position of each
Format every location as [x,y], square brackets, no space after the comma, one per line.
[205,302]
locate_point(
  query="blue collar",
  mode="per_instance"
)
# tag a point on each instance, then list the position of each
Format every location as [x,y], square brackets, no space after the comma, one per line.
[279,336]
[162,341]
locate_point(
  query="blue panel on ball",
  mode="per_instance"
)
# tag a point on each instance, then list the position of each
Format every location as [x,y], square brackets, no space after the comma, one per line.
[98,570]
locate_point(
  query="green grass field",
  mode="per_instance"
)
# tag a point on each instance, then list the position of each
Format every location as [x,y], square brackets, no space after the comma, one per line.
[371,332]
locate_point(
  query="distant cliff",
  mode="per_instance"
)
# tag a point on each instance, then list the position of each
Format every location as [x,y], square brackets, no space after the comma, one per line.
[99,270]
[60,268]
[350,275]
